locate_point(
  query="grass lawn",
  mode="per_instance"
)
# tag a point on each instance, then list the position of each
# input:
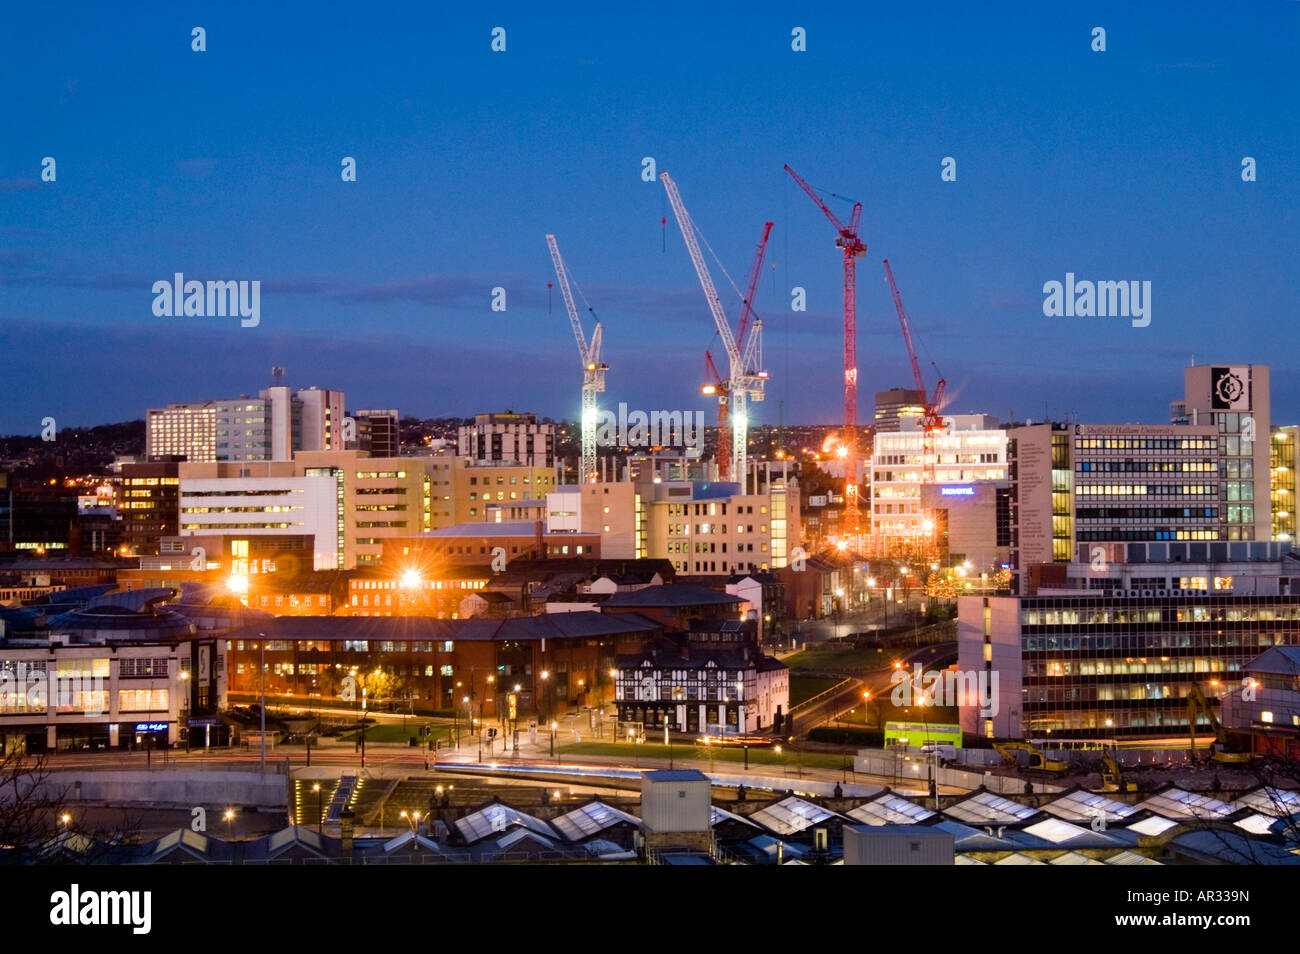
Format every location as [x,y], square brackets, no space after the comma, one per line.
[393,732]
[654,751]
[805,687]
[849,661]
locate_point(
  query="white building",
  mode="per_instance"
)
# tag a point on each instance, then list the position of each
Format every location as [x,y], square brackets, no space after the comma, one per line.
[972,448]
[270,426]
[259,506]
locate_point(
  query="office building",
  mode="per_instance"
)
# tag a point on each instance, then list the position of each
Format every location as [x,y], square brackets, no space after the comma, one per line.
[148,500]
[476,484]
[895,405]
[116,671]
[378,433]
[613,510]
[508,438]
[710,528]
[269,427]
[1110,645]
[971,449]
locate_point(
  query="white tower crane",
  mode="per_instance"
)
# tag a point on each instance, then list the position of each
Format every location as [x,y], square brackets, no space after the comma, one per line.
[593,369]
[746,378]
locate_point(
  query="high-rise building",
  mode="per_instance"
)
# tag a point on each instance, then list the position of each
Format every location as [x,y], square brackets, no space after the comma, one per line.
[1075,484]
[269,427]
[895,405]
[508,438]
[378,433]
[971,449]
[1235,400]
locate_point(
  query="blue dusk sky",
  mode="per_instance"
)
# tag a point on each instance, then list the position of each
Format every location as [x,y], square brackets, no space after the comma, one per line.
[225,165]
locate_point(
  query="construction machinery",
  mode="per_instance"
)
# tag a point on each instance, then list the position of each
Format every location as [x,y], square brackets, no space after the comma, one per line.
[746,379]
[714,384]
[932,418]
[1224,749]
[1112,776]
[853,249]
[593,369]
[1038,760]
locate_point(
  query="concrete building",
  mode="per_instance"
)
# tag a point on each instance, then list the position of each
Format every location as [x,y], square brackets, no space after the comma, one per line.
[972,524]
[971,450]
[613,510]
[248,506]
[1235,400]
[895,405]
[378,433]
[1098,482]
[117,671]
[508,438]
[1110,646]
[148,499]
[482,544]
[708,528]
[269,427]
[475,485]
[349,502]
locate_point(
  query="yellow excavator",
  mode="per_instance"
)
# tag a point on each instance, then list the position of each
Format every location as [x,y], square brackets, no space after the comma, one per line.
[1038,762]
[1220,749]
[1112,776]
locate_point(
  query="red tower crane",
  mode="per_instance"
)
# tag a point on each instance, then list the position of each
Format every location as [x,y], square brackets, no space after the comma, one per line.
[854,248]
[932,418]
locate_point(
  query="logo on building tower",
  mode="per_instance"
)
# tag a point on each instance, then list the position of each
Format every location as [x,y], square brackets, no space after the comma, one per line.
[1230,390]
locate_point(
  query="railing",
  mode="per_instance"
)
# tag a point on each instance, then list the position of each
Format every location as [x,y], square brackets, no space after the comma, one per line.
[837,688]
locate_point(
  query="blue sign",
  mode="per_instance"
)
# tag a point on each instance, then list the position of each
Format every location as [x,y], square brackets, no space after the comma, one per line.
[150,726]
[957,491]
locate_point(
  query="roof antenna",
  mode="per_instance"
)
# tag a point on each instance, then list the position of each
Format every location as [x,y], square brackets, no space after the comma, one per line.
[277,373]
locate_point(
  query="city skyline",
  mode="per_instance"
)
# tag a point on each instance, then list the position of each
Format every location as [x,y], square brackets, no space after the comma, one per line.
[1116,165]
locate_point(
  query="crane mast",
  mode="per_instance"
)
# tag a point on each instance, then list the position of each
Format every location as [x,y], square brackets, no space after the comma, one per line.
[853,248]
[932,418]
[593,369]
[746,380]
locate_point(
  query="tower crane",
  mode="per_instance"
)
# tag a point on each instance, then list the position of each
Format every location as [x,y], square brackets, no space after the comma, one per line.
[593,369]
[932,418]
[746,380]
[713,381]
[853,249]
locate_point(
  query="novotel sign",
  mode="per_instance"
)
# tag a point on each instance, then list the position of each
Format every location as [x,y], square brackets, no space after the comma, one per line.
[957,491]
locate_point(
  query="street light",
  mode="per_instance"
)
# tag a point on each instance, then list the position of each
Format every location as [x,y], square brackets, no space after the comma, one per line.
[228,817]
[261,647]
[413,819]
[320,815]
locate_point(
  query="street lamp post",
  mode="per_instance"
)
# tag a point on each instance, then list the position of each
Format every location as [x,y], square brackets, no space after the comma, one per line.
[320,815]
[261,646]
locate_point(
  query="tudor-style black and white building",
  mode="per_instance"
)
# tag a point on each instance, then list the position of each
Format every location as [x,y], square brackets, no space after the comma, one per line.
[713,679]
